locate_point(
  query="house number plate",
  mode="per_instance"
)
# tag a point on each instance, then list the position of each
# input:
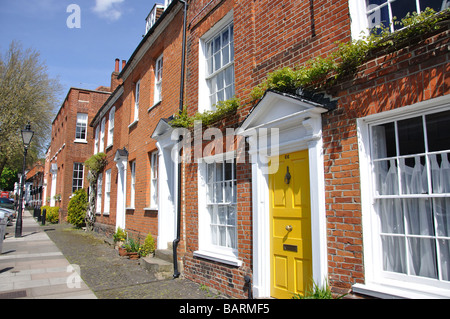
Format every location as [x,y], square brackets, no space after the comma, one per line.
[290,248]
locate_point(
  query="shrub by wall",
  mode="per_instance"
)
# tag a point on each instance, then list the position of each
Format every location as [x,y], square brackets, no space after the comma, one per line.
[76,210]
[52,214]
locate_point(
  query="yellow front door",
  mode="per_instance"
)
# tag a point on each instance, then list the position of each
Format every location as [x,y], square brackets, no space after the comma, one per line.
[290,214]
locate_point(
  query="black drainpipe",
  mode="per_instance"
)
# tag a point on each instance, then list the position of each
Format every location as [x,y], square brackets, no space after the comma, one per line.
[176,273]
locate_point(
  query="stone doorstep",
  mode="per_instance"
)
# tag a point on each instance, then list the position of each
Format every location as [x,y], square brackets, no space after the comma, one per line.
[161,268]
[164,254]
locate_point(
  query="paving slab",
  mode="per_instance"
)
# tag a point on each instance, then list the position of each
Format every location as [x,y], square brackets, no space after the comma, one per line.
[33,267]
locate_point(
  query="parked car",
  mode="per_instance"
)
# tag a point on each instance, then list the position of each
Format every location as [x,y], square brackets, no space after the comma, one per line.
[6,203]
[8,214]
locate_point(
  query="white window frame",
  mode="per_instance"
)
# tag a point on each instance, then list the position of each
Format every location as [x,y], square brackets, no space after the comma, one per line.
[359,20]
[82,122]
[98,206]
[77,178]
[378,282]
[101,147]
[207,249]
[159,65]
[96,141]
[154,180]
[111,117]
[107,200]
[136,101]
[133,184]
[205,78]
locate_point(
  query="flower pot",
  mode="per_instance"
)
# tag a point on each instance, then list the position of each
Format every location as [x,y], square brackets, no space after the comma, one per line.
[133,255]
[122,251]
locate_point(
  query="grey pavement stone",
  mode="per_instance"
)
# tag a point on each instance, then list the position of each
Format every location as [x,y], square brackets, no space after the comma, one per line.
[110,276]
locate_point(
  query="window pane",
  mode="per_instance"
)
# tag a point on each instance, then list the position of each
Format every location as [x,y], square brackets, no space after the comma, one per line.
[410,136]
[231,237]
[394,254]
[440,172]
[219,172]
[390,212]
[222,236]
[386,177]
[400,8]
[444,249]
[438,132]
[436,5]
[231,215]
[383,141]
[379,17]
[413,173]
[422,261]
[442,213]
[419,217]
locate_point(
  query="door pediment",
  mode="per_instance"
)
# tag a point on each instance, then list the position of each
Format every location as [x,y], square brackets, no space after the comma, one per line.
[281,110]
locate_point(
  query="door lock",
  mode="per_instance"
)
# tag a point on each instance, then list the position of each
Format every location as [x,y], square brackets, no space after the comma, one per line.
[289,228]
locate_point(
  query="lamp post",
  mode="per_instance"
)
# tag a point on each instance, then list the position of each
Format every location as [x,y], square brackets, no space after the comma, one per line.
[27,135]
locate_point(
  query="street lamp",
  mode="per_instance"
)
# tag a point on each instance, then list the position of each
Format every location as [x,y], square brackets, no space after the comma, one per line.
[27,135]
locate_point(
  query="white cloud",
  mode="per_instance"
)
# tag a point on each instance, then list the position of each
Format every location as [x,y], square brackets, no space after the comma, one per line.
[108,9]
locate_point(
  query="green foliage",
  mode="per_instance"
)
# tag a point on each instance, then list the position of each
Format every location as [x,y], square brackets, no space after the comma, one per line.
[76,210]
[95,165]
[149,245]
[27,95]
[222,108]
[51,214]
[318,72]
[316,292]
[182,119]
[132,245]
[8,178]
[120,235]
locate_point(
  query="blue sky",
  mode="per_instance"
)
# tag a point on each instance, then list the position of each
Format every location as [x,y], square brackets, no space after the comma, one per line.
[79,57]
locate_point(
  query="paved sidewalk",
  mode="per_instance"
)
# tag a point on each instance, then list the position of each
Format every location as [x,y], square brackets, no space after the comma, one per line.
[33,267]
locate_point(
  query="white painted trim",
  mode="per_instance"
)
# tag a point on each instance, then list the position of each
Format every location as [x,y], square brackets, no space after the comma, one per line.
[306,125]
[378,283]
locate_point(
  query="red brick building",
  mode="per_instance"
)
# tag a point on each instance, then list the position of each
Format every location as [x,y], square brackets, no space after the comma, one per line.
[71,145]
[129,184]
[360,193]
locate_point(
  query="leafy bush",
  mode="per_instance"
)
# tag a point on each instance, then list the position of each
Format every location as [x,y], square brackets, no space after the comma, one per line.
[76,211]
[120,235]
[51,214]
[149,245]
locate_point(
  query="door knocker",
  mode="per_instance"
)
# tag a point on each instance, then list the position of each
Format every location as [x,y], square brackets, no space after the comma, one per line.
[287,178]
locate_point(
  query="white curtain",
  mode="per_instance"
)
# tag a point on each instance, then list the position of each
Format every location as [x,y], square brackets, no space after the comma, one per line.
[412,216]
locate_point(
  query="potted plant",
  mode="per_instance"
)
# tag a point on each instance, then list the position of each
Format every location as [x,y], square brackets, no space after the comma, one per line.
[119,237]
[133,248]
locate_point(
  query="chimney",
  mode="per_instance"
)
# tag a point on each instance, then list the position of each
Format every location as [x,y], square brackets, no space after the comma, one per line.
[117,65]
[123,64]
[115,82]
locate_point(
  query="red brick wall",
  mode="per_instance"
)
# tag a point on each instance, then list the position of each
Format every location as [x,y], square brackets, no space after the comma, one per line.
[415,73]
[63,132]
[267,35]
[137,138]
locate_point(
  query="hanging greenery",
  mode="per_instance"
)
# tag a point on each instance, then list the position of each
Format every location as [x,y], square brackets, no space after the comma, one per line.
[318,73]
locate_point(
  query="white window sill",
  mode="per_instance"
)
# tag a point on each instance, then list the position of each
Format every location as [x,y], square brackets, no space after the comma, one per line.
[154,105]
[412,291]
[130,208]
[105,213]
[150,208]
[80,141]
[225,259]
[134,123]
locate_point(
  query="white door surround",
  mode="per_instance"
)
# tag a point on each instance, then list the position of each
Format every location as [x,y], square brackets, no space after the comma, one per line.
[299,126]
[121,159]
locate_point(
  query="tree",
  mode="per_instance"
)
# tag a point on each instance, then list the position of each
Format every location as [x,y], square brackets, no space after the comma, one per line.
[27,95]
